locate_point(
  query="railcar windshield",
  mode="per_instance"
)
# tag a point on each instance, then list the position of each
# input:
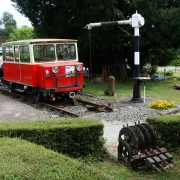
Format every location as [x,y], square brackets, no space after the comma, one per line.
[44,53]
[66,52]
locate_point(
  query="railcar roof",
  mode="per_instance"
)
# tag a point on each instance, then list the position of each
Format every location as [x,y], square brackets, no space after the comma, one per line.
[37,41]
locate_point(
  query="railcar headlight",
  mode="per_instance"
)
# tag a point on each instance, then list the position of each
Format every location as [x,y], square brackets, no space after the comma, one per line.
[79,67]
[54,69]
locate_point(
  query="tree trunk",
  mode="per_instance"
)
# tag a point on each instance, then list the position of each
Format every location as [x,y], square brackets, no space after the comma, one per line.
[120,66]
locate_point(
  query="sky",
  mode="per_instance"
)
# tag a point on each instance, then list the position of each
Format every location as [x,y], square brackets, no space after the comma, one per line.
[6,5]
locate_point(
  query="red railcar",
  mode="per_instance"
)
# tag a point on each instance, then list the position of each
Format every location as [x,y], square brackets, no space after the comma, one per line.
[45,67]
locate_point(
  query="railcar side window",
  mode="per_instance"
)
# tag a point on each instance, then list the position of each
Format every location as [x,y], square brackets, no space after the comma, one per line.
[66,52]
[16,54]
[9,53]
[24,54]
[44,53]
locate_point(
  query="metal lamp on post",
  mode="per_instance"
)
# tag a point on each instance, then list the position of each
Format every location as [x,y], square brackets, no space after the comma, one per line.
[136,21]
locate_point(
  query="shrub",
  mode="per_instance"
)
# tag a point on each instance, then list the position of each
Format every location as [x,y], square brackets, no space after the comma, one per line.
[169,73]
[161,104]
[23,160]
[150,69]
[167,128]
[75,137]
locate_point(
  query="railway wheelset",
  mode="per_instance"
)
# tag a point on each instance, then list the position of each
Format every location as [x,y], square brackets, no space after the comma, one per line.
[138,147]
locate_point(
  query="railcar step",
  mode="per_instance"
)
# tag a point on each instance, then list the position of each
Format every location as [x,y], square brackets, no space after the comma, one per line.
[20,90]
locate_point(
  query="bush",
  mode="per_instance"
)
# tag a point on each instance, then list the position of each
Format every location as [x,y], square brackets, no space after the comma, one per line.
[167,128]
[23,160]
[74,137]
[149,70]
[169,73]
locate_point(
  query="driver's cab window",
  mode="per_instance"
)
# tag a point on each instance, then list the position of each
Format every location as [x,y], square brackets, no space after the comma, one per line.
[66,51]
[44,53]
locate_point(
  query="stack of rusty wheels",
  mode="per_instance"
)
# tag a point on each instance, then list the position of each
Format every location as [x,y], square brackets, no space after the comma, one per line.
[135,139]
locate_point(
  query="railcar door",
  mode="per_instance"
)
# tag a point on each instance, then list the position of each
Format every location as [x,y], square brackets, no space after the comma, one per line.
[25,65]
[17,65]
[10,68]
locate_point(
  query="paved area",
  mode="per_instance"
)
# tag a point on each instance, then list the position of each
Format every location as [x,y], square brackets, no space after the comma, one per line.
[11,110]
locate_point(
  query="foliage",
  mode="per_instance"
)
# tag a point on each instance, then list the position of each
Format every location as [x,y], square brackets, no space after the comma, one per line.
[161,104]
[119,171]
[23,160]
[22,33]
[167,128]
[8,23]
[150,70]
[75,137]
[66,19]
[169,73]
[176,63]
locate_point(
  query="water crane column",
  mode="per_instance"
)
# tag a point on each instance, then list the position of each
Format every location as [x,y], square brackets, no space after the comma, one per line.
[136,21]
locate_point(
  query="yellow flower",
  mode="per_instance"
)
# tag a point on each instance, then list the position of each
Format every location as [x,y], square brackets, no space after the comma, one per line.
[161,104]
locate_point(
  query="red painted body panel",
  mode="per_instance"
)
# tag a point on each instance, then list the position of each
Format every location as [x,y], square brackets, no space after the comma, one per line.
[11,71]
[50,82]
[35,75]
[21,73]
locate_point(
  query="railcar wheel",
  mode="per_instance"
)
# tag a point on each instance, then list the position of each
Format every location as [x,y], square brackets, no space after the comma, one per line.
[40,97]
[146,134]
[152,133]
[129,135]
[140,137]
[124,151]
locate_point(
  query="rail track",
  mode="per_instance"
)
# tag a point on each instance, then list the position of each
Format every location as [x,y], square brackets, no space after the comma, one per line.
[67,109]
[59,109]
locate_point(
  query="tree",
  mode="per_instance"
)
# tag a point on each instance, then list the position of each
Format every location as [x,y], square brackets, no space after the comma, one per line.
[160,35]
[66,19]
[8,23]
[22,33]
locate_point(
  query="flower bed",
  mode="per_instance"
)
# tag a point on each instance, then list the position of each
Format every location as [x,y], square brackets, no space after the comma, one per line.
[161,104]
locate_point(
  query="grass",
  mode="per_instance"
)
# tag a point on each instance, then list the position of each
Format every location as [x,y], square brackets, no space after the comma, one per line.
[23,160]
[177,75]
[160,90]
[119,171]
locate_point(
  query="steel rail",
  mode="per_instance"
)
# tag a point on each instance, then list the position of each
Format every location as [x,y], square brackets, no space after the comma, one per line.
[59,109]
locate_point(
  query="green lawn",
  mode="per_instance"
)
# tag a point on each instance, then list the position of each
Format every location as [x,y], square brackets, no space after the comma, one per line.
[177,75]
[161,90]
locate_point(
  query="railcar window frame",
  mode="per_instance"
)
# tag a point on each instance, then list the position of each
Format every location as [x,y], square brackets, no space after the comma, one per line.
[64,53]
[8,56]
[24,60]
[16,59]
[43,53]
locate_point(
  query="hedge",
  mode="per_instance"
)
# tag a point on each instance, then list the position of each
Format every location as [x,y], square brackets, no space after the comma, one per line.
[74,137]
[167,128]
[21,159]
